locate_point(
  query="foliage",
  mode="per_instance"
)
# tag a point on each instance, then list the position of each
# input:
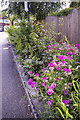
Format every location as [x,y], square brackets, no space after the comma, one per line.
[52,66]
[41,9]
[63,12]
[75,4]
[55,81]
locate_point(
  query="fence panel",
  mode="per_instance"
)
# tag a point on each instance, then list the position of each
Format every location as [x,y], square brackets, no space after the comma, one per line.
[70,27]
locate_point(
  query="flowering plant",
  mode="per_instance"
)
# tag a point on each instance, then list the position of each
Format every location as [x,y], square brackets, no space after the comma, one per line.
[55,80]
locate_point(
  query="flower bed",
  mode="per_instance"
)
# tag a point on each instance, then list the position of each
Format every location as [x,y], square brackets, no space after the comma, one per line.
[58,83]
[53,67]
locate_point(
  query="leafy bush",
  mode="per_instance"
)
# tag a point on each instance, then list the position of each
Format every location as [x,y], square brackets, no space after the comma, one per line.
[55,82]
[53,67]
[63,12]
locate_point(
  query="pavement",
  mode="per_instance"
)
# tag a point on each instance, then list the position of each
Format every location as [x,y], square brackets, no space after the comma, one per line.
[14,100]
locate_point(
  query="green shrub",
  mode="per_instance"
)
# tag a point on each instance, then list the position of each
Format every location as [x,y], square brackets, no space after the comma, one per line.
[63,12]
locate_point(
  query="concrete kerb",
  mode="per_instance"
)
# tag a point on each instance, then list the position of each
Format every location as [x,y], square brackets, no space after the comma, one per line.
[29,91]
[22,76]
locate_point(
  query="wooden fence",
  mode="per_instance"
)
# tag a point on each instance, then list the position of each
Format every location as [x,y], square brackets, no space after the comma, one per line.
[70,26]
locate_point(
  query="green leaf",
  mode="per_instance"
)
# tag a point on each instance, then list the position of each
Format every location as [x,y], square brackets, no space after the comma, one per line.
[60,112]
[42,114]
[66,40]
[75,87]
[68,115]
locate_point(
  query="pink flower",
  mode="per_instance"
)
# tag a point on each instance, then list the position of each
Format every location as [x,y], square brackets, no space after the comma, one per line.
[45,50]
[53,85]
[69,83]
[39,83]
[65,101]
[50,87]
[43,78]
[43,69]
[77,45]
[76,54]
[65,92]
[33,84]
[51,65]
[30,81]
[61,57]
[71,49]
[43,84]
[37,89]
[30,72]
[69,46]
[56,62]
[58,48]
[57,79]
[63,62]
[49,47]
[57,68]
[68,53]
[49,103]
[69,57]
[37,74]
[54,45]
[61,42]
[66,70]
[50,91]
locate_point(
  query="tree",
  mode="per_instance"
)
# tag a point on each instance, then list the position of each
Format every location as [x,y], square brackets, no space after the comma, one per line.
[41,9]
[75,4]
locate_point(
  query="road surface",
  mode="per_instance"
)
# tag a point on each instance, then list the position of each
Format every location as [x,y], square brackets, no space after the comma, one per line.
[14,100]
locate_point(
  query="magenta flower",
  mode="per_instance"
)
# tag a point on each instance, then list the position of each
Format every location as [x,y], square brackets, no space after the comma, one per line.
[43,84]
[53,85]
[77,45]
[56,63]
[61,42]
[69,83]
[63,62]
[30,81]
[66,70]
[37,74]
[49,47]
[68,53]
[33,84]
[51,65]
[43,78]
[61,57]
[50,87]
[57,68]
[49,103]
[65,92]
[57,79]
[43,69]
[65,101]
[76,54]
[45,50]
[50,91]
[69,46]
[69,57]
[37,89]
[30,72]
[58,48]
[71,49]
[54,45]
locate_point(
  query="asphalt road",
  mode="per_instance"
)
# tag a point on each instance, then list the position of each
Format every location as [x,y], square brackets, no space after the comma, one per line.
[14,100]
